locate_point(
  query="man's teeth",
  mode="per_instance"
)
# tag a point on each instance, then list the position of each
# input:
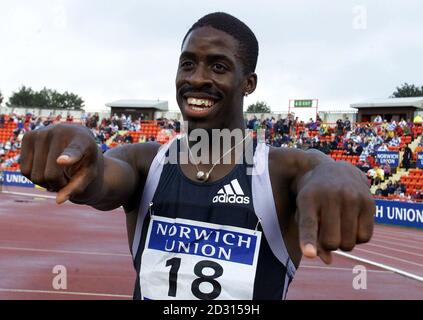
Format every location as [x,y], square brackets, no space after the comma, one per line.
[200,102]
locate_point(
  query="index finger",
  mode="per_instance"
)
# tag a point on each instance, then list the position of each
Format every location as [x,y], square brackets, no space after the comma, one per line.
[73,153]
[76,185]
[307,213]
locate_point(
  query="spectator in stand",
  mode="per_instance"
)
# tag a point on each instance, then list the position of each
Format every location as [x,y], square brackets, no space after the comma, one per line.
[325,147]
[252,123]
[311,125]
[387,170]
[347,124]
[128,139]
[349,149]
[402,188]
[407,156]
[69,118]
[286,126]
[357,149]
[418,120]
[385,192]
[376,174]
[395,141]
[118,138]
[323,129]
[417,195]
[371,174]
[277,141]
[177,125]
[383,147]
[339,127]
[363,166]
[378,119]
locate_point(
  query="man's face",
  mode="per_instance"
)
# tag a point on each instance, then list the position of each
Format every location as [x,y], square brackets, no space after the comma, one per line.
[210,83]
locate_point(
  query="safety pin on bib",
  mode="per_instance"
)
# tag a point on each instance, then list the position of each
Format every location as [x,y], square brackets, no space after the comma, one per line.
[258,222]
[150,210]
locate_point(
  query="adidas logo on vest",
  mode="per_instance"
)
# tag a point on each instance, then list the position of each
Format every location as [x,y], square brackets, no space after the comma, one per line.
[231,193]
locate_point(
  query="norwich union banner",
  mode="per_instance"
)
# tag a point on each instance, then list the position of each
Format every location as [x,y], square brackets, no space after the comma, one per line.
[389,157]
[399,213]
[9,178]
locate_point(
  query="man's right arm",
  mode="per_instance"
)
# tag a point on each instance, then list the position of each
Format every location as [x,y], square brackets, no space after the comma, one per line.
[125,172]
[66,159]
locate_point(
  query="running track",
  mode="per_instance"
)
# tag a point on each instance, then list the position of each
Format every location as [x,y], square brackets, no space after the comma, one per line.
[36,235]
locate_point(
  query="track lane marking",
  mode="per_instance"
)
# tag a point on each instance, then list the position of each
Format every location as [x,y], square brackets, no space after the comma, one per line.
[66,251]
[67,293]
[380,265]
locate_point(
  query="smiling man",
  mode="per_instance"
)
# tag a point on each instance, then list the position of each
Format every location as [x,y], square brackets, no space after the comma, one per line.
[207,229]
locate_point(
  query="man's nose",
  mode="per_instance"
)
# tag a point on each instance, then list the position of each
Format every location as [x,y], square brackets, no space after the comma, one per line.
[200,76]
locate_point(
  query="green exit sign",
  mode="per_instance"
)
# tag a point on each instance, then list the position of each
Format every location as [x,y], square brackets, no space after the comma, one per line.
[303,103]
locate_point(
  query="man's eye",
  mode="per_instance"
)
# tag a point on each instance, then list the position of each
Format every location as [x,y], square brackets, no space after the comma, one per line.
[218,67]
[186,64]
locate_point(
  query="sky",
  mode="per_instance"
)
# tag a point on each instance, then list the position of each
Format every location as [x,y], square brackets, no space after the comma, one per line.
[339,52]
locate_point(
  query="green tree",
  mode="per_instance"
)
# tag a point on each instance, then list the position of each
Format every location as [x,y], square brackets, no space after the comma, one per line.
[24,97]
[46,98]
[408,90]
[258,107]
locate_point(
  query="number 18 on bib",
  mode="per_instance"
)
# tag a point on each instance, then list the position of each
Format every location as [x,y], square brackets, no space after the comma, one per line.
[187,259]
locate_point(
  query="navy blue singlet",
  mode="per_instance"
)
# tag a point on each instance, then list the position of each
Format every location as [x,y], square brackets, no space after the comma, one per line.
[217,240]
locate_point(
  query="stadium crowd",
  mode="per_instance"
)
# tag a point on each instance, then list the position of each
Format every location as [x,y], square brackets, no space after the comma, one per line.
[354,142]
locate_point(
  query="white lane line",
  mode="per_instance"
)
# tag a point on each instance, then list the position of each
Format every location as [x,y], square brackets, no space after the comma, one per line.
[394,243]
[392,249]
[341,269]
[29,194]
[381,265]
[66,251]
[389,257]
[66,292]
[397,239]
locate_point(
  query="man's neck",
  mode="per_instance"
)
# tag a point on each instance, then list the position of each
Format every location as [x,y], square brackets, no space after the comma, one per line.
[217,142]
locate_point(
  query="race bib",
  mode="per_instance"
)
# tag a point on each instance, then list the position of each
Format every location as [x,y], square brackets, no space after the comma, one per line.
[186,259]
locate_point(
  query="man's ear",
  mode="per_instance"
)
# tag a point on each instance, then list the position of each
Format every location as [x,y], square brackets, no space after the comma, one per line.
[250,83]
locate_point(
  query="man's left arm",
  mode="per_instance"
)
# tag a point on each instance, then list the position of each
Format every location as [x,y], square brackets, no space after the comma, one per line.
[335,209]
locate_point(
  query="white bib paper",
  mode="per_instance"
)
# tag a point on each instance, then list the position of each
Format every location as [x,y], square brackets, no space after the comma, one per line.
[186,259]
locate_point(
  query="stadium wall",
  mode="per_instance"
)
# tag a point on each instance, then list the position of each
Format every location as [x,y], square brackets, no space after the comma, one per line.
[41,112]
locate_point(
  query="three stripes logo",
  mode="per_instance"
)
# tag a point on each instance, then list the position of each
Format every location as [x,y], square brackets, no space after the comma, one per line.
[231,193]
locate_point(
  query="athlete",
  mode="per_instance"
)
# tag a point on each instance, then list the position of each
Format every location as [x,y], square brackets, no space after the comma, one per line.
[207,229]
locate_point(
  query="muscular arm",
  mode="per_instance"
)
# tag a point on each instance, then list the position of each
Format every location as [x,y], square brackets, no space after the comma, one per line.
[122,176]
[65,158]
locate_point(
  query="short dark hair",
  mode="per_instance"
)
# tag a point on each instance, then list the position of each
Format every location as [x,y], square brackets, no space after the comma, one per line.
[248,44]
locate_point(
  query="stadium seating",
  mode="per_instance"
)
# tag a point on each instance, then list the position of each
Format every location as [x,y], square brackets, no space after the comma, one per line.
[152,129]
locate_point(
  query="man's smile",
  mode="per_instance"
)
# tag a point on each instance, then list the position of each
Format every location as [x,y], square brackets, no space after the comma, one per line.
[198,107]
